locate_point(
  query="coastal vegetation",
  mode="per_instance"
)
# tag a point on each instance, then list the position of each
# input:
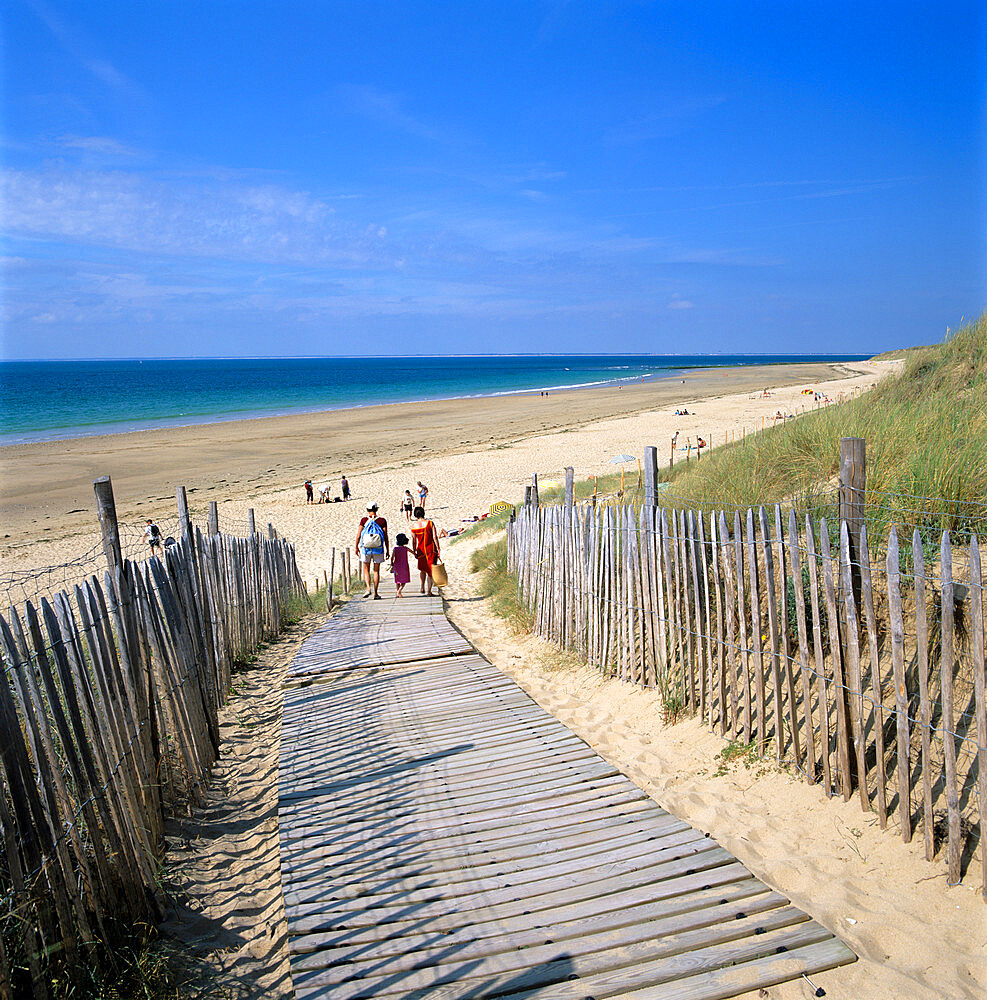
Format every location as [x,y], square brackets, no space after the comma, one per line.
[926,434]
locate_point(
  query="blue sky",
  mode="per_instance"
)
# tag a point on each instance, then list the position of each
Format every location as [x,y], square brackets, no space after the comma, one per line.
[295,178]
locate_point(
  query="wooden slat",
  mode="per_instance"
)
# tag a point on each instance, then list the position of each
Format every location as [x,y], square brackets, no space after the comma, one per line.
[441,836]
[786,656]
[818,658]
[979,692]
[925,706]
[902,747]
[773,632]
[761,730]
[876,687]
[795,561]
[836,658]
[745,687]
[953,845]
[855,687]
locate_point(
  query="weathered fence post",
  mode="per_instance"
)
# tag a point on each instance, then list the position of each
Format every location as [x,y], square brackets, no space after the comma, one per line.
[651,476]
[527,496]
[271,533]
[534,489]
[106,509]
[181,495]
[213,518]
[569,486]
[251,521]
[853,482]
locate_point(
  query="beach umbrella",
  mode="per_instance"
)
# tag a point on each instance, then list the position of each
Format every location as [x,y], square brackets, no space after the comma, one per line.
[620,460]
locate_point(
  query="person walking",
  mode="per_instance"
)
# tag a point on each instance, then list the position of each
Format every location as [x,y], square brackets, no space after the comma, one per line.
[345,485]
[422,493]
[425,544]
[407,504]
[373,548]
[400,566]
[152,535]
[309,492]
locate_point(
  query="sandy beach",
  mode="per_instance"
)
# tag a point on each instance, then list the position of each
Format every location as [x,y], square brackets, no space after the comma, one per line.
[916,937]
[469,452]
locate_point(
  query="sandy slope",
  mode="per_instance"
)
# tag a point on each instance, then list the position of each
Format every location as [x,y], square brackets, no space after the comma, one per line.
[917,939]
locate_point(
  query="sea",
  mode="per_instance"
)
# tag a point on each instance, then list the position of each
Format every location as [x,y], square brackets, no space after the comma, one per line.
[49,400]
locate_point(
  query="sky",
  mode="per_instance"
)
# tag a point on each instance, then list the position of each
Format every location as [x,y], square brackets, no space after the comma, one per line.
[252,178]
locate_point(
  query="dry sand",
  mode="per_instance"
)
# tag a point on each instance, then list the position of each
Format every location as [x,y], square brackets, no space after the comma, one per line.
[222,866]
[468,452]
[916,938]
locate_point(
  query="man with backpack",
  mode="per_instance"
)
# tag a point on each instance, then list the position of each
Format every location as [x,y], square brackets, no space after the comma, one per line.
[152,535]
[373,548]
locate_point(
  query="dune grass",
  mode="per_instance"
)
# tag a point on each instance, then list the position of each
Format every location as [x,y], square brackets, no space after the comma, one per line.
[926,434]
[500,585]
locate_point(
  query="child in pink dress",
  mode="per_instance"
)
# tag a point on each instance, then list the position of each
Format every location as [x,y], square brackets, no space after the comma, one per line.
[399,563]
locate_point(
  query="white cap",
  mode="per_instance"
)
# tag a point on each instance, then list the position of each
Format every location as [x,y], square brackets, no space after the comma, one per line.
[371,506]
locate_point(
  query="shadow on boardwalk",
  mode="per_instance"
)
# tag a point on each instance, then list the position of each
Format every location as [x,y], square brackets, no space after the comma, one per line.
[443,837]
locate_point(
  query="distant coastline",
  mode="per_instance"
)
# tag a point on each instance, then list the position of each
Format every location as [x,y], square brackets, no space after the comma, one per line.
[59,400]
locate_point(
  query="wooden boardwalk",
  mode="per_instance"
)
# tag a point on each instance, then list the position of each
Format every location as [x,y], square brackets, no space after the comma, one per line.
[442,836]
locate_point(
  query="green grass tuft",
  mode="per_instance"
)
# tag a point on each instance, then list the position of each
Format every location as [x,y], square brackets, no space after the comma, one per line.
[500,585]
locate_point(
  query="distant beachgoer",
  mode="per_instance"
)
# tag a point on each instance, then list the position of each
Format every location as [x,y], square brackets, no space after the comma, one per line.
[400,566]
[407,504]
[700,442]
[309,493]
[425,543]
[373,548]
[344,483]
[324,493]
[152,535]
[422,493]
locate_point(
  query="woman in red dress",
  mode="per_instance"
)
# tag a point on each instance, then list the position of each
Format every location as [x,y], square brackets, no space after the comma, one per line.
[425,545]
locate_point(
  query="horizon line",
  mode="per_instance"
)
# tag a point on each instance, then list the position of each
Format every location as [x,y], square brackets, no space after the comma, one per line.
[384,357]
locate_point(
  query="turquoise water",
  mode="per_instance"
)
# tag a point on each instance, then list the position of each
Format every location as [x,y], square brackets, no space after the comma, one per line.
[43,400]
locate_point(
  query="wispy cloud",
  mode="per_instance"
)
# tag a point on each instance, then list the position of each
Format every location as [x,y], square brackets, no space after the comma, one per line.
[80,50]
[680,303]
[385,108]
[100,144]
[663,116]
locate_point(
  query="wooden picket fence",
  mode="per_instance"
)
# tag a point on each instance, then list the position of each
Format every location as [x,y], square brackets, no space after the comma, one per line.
[866,673]
[108,723]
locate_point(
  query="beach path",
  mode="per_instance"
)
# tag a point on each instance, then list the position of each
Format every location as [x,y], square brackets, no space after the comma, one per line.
[443,836]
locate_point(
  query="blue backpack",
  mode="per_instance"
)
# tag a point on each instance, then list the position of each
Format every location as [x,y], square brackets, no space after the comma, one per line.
[372,539]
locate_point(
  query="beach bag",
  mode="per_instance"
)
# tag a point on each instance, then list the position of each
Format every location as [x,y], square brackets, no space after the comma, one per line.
[372,539]
[439,576]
